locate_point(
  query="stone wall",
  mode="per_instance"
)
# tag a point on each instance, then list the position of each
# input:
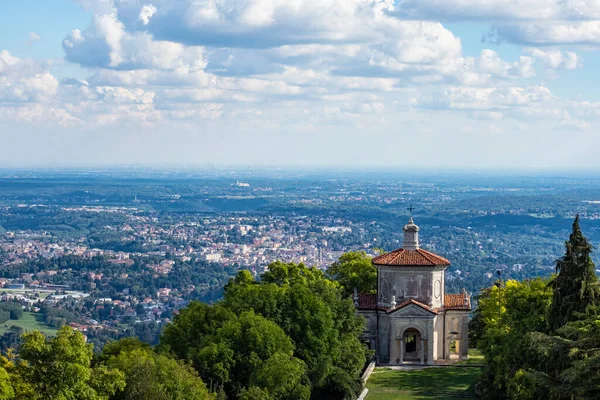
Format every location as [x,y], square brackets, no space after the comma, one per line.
[422,284]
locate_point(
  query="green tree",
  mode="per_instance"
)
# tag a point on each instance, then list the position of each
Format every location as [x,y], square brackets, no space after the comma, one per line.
[114,349]
[243,343]
[316,315]
[581,345]
[255,393]
[154,376]
[509,313]
[214,363]
[253,340]
[7,391]
[12,385]
[565,365]
[60,368]
[576,285]
[477,325]
[284,377]
[354,270]
[228,349]
[281,273]
[192,325]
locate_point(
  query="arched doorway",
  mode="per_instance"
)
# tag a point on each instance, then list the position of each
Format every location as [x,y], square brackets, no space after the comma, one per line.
[412,345]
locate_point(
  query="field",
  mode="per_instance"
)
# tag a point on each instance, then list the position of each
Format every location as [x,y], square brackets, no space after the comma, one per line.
[29,322]
[443,383]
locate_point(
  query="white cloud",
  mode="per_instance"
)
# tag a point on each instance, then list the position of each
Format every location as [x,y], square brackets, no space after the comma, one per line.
[574,33]
[24,80]
[292,63]
[521,103]
[7,60]
[530,22]
[107,44]
[32,38]
[30,93]
[336,39]
[146,13]
[254,23]
[39,114]
[499,9]
[556,59]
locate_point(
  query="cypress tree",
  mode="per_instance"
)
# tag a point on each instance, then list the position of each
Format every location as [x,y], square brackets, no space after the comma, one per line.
[575,286]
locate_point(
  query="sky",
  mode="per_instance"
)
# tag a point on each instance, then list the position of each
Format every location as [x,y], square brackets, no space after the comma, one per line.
[392,83]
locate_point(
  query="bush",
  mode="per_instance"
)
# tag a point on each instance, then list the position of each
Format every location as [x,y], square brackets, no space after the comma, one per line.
[16,314]
[14,309]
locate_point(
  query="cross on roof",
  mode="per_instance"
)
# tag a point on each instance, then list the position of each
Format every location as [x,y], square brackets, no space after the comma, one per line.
[411,209]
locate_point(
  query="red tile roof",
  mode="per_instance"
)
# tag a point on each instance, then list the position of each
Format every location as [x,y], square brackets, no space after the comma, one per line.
[406,258]
[456,302]
[367,301]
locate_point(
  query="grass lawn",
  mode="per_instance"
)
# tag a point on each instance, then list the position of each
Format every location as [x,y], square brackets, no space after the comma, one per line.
[443,383]
[475,357]
[29,322]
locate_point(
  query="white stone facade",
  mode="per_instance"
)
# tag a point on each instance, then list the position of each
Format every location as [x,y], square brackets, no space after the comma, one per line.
[411,319]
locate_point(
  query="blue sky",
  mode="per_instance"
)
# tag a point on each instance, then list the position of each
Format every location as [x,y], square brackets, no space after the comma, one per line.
[52,20]
[413,83]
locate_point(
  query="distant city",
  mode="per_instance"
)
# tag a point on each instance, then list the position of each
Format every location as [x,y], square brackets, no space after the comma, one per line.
[114,254]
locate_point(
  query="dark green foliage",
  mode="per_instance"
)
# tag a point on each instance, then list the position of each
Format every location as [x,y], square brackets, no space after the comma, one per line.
[234,353]
[537,348]
[60,368]
[354,270]
[4,316]
[296,337]
[15,310]
[477,324]
[318,317]
[12,338]
[563,366]
[576,285]
[153,376]
[192,325]
[508,313]
[114,349]
[283,376]
[581,377]
[255,393]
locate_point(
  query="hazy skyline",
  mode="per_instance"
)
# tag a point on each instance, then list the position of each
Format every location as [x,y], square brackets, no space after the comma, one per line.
[420,83]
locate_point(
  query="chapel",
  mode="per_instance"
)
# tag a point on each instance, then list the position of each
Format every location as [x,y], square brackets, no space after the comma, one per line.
[411,319]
